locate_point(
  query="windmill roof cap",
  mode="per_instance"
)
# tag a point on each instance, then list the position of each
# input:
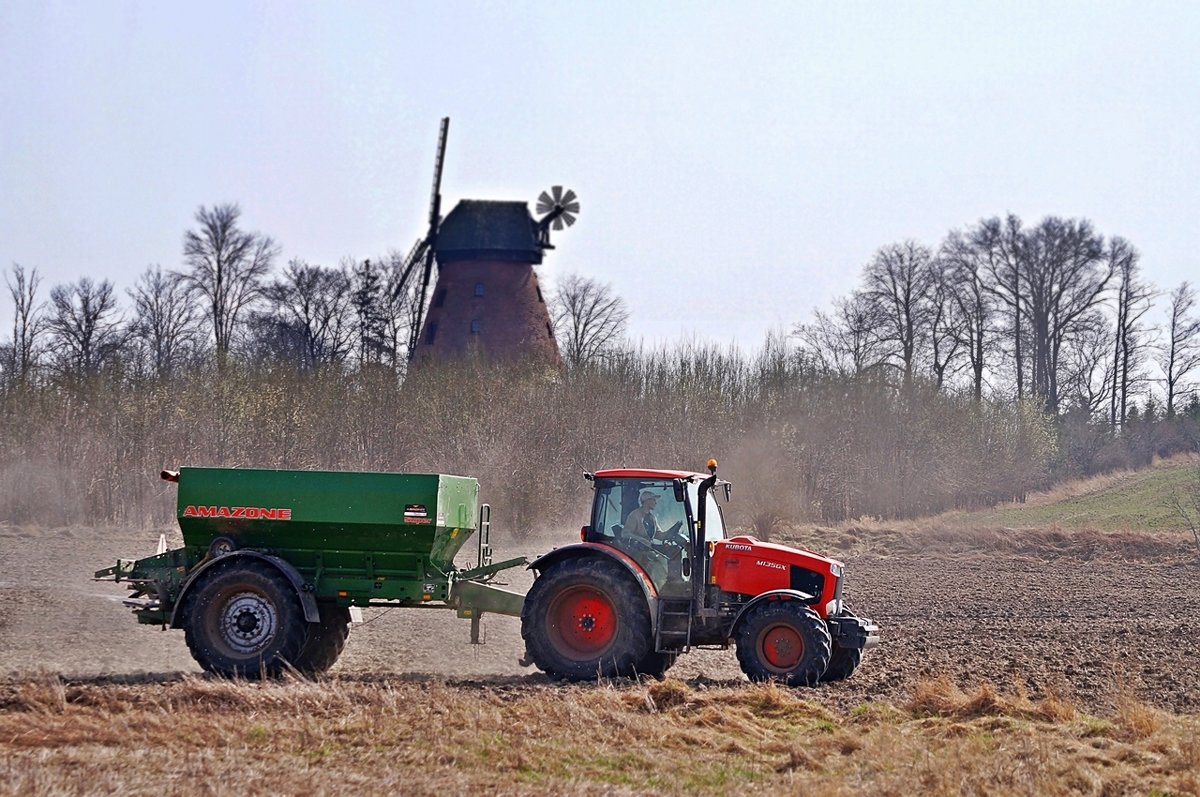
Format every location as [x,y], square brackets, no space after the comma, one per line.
[483,229]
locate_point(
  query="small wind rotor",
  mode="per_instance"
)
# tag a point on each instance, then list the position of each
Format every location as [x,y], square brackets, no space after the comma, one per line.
[557,208]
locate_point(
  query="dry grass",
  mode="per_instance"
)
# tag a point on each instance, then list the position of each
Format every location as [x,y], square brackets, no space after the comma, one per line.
[425,736]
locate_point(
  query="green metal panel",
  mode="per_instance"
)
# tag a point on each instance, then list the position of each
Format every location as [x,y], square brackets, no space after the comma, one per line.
[333,518]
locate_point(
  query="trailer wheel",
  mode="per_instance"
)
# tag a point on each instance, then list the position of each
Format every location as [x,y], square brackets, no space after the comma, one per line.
[586,618]
[784,641]
[245,620]
[326,639]
[655,665]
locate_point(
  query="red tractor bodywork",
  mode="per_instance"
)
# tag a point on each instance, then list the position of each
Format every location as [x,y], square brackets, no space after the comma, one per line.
[745,566]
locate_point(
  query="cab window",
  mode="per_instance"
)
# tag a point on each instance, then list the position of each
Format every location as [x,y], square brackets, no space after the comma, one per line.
[617,499]
[715,522]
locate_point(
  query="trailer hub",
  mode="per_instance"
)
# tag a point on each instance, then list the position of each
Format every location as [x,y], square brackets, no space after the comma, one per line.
[248,621]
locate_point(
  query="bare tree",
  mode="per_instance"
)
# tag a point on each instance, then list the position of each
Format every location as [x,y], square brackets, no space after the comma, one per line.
[83,326]
[1179,353]
[845,341]
[965,266]
[225,267]
[999,245]
[1087,367]
[28,324]
[589,318]
[897,282]
[314,304]
[165,324]
[1065,275]
[945,320]
[1130,343]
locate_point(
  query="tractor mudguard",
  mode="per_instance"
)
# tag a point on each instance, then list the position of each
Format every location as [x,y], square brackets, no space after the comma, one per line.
[581,549]
[773,595]
[312,613]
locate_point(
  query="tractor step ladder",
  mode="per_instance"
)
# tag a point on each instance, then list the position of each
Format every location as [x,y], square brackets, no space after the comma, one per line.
[673,613]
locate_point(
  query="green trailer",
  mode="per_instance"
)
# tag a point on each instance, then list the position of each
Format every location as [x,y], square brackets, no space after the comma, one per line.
[275,562]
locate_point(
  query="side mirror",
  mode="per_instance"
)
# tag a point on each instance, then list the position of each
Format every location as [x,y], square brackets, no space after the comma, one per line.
[679,494]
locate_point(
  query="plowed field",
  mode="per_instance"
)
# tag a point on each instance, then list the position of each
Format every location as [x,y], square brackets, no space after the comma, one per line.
[1090,617]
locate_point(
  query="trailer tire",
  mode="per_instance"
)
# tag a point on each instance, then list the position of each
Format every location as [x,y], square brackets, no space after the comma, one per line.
[784,641]
[655,665]
[326,639]
[586,618]
[245,620]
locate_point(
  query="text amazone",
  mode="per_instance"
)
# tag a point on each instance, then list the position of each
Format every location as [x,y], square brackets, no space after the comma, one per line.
[246,512]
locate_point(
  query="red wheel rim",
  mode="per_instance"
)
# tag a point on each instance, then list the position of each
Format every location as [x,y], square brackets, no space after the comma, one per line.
[780,647]
[583,622]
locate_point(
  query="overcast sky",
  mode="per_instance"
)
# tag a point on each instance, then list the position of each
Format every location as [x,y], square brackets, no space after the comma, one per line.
[736,165]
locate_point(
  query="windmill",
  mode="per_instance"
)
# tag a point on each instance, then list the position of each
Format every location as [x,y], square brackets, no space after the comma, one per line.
[487,298]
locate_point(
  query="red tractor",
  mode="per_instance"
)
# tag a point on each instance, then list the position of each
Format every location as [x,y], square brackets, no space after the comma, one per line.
[655,576]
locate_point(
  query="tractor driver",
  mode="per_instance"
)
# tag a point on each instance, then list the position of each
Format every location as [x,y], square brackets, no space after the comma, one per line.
[641,521]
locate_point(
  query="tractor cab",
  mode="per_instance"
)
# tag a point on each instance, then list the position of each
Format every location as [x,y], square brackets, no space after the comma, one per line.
[650,516]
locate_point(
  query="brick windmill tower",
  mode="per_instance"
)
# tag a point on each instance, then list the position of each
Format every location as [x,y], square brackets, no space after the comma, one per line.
[487,301]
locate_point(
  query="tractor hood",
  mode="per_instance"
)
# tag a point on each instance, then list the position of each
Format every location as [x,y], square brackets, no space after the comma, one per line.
[747,566]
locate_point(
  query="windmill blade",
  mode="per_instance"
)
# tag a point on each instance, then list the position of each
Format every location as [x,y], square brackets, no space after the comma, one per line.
[414,256]
[429,245]
[558,209]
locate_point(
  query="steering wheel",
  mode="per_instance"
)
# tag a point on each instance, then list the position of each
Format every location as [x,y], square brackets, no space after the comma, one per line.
[671,532]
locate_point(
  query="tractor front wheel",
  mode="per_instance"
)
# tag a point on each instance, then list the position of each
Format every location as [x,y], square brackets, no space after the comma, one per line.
[843,661]
[245,620]
[784,641]
[586,618]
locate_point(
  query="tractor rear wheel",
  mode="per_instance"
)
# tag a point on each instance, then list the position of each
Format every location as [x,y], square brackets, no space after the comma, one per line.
[245,620]
[326,640]
[586,618]
[784,641]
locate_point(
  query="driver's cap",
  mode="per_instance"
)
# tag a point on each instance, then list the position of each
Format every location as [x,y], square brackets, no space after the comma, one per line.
[647,495]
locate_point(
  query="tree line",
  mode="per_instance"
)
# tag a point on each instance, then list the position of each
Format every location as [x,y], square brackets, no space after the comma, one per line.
[954,376]
[1055,314]
[228,302]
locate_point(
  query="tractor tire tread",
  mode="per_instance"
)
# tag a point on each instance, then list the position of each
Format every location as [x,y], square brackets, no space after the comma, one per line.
[807,623]
[632,642]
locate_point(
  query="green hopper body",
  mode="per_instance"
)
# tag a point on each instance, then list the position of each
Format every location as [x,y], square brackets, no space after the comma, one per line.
[400,519]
